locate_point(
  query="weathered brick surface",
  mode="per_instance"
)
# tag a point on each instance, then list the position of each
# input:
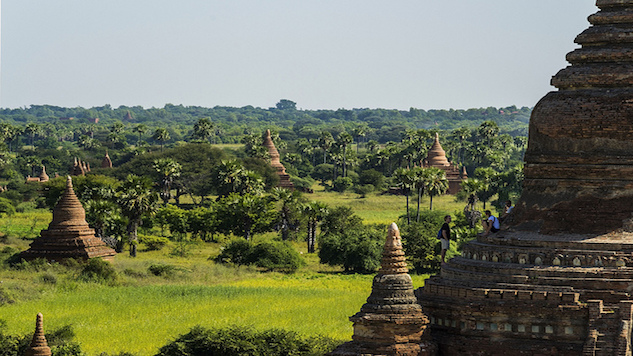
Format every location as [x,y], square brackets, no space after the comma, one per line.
[68,235]
[557,280]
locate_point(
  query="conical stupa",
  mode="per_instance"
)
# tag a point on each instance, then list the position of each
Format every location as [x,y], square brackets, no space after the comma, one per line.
[392,321]
[38,346]
[43,176]
[436,157]
[68,235]
[284,178]
[558,280]
[106,162]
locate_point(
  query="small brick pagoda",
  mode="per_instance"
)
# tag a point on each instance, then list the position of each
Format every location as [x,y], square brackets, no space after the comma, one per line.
[68,235]
[284,178]
[558,279]
[437,158]
[106,162]
[38,346]
[391,322]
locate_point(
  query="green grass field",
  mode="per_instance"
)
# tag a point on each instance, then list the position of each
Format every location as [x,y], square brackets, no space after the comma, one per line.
[383,208]
[142,312]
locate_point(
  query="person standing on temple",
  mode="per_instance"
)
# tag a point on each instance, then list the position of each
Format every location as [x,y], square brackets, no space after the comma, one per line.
[445,237]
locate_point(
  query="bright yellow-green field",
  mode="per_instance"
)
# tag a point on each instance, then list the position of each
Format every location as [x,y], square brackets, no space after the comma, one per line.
[142,313]
[383,208]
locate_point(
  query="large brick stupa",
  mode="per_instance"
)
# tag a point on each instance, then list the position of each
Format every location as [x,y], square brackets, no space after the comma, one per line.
[68,235]
[558,279]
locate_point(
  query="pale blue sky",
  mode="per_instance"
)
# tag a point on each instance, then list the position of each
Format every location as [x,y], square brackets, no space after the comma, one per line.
[329,54]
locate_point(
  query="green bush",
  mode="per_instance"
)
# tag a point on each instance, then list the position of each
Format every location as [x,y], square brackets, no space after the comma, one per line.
[243,341]
[153,243]
[342,184]
[48,278]
[162,269]
[98,270]
[236,251]
[276,255]
[36,265]
[357,250]
[270,255]
[346,241]
[6,207]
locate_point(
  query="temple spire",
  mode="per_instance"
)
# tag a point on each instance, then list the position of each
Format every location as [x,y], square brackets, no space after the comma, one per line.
[38,346]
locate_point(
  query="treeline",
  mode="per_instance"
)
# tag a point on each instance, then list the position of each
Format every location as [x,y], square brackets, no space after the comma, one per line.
[285,118]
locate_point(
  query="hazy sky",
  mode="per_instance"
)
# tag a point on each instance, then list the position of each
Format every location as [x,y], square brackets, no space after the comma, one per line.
[329,54]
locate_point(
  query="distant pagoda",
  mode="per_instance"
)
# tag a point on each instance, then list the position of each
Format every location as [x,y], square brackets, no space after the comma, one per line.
[284,178]
[106,162]
[68,235]
[437,158]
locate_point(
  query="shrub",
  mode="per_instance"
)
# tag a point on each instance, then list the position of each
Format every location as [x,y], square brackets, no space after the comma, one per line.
[358,250]
[239,341]
[236,251]
[270,255]
[9,250]
[48,278]
[372,177]
[98,270]
[363,190]
[6,207]
[346,241]
[153,243]
[276,255]
[37,265]
[162,269]
[342,184]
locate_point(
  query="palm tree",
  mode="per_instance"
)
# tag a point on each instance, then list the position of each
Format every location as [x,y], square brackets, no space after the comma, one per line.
[325,142]
[140,129]
[360,131]
[31,130]
[117,128]
[436,183]
[343,140]
[290,200]
[419,176]
[203,129]
[472,186]
[404,179]
[161,135]
[315,212]
[136,199]
[168,169]
[487,176]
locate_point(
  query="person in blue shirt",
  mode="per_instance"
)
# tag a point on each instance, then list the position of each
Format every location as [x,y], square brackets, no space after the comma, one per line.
[490,224]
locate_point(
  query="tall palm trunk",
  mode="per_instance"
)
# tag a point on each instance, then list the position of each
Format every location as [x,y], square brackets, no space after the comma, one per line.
[417,218]
[408,218]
